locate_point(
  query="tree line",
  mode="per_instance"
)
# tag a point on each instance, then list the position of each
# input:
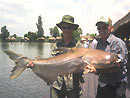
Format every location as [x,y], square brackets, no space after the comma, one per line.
[32,36]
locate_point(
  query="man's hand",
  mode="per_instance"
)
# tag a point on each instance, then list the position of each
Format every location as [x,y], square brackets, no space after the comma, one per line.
[89,68]
[30,64]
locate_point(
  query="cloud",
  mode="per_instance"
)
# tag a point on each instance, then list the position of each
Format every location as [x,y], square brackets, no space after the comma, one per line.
[20,16]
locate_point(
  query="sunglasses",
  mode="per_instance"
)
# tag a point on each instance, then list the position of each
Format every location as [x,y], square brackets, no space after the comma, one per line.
[102,27]
[69,27]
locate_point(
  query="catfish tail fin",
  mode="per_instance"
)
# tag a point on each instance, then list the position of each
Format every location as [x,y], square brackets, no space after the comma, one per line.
[20,62]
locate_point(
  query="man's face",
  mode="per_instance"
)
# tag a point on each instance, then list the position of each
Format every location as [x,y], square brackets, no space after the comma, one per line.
[103,29]
[67,28]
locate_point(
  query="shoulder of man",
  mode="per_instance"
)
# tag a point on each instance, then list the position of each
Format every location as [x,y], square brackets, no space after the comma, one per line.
[119,47]
[118,41]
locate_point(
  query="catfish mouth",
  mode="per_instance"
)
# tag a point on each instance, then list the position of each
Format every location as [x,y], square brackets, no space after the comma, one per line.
[110,61]
[105,65]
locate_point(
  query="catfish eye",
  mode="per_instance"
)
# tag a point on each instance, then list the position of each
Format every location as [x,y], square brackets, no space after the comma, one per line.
[108,57]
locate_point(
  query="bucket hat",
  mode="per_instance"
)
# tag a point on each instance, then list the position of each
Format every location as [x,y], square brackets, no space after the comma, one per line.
[106,20]
[69,20]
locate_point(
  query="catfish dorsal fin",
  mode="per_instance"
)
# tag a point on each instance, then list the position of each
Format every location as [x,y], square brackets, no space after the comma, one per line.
[15,57]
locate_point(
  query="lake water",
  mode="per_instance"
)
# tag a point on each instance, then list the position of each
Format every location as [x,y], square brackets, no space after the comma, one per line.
[27,85]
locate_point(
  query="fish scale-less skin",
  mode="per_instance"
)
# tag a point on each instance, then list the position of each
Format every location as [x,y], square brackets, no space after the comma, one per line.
[74,61]
[51,71]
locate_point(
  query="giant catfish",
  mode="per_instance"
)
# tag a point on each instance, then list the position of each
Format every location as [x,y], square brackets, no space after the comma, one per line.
[71,62]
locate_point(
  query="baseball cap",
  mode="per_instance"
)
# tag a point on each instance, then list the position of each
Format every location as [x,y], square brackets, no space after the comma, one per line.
[106,20]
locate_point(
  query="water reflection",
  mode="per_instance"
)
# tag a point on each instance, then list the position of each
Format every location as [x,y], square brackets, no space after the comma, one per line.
[4,46]
[27,85]
[40,48]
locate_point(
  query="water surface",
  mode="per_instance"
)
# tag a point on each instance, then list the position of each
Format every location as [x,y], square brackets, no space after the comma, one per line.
[27,85]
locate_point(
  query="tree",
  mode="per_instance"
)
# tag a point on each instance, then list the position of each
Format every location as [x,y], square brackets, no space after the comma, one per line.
[87,34]
[0,35]
[40,31]
[15,36]
[51,31]
[31,35]
[92,35]
[54,32]
[77,33]
[4,33]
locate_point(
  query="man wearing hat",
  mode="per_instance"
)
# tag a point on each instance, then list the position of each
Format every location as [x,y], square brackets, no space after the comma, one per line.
[67,86]
[85,42]
[111,83]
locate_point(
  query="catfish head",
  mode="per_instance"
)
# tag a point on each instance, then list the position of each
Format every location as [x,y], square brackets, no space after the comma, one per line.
[101,59]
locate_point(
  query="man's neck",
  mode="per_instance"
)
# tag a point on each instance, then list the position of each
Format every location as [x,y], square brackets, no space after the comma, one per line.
[67,39]
[104,38]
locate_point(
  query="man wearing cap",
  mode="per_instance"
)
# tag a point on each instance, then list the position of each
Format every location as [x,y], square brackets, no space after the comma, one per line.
[67,86]
[111,83]
[85,42]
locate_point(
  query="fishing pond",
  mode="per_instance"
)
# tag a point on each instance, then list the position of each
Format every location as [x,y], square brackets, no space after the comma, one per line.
[27,85]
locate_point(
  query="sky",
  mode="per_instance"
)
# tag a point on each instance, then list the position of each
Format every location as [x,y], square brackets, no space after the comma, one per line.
[21,16]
